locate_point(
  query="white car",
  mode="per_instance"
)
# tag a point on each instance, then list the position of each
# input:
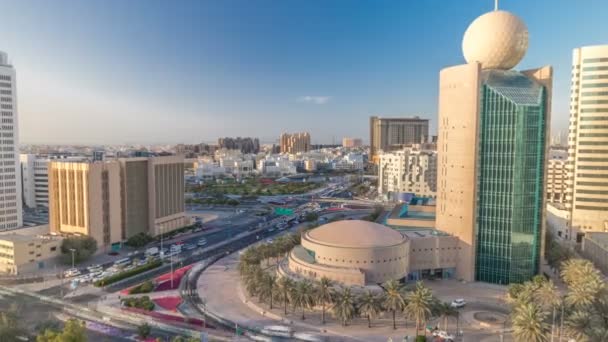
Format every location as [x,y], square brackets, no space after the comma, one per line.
[72,272]
[458,303]
[202,242]
[94,268]
[443,335]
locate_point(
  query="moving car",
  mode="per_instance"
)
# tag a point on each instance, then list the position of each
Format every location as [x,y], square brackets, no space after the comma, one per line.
[443,335]
[72,272]
[202,242]
[458,303]
[189,246]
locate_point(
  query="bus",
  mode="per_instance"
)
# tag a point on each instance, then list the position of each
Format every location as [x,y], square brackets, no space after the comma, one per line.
[122,262]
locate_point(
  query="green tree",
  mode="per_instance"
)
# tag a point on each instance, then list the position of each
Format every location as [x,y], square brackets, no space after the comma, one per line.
[393,299]
[419,304]
[284,291]
[144,331]
[370,306]
[73,331]
[530,323]
[184,339]
[344,307]
[584,282]
[323,295]
[139,240]
[267,286]
[84,246]
[10,326]
[303,296]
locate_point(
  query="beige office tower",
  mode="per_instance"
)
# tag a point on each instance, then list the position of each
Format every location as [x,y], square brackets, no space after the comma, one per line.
[153,195]
[587,196]
[84,199]
[390,134]
[491,149]
[293,143]
[114,200]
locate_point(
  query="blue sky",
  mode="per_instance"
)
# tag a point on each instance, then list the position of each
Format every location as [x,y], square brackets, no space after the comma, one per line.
[114,72]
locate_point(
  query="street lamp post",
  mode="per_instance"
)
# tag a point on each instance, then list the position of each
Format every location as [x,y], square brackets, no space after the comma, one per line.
[73,251]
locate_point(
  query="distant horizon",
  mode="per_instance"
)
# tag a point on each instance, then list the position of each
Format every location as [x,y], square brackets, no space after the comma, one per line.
[168,74]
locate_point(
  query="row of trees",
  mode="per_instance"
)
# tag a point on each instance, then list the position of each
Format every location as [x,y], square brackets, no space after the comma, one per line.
[417,304]
[540,311]
[83,246]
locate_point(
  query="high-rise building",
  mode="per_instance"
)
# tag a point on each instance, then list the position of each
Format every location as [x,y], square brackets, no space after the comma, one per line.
[116,199]
[408,170]
[85,199]
[492,146]
[388,134]
[352,142]
[587,197]
[245,145]
[34,181]
[10,192]
[293,143]
[152,195]
[557,176]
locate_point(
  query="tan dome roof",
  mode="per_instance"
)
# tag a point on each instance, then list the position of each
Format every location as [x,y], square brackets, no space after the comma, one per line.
[355,233]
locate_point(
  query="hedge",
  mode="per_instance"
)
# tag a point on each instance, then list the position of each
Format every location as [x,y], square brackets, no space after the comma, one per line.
[124,275]
[139,302]
[144,287]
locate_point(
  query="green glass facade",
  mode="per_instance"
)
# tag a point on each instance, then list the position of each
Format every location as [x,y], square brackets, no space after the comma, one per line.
[510,171]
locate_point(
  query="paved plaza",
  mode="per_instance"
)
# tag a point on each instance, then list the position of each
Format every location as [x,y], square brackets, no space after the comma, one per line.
[219,287]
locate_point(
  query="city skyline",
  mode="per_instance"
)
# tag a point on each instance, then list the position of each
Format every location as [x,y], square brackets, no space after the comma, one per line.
[217,69]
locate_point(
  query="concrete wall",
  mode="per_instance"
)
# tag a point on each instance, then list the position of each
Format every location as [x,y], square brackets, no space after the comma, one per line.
[457,149]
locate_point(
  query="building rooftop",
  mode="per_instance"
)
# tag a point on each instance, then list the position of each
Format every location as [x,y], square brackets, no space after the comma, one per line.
[27,238]
[355,233]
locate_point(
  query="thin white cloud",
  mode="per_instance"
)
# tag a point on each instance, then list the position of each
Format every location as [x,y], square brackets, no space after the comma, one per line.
[314,99]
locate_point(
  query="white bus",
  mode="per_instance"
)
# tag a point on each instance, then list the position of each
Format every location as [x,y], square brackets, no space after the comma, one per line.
[122,262]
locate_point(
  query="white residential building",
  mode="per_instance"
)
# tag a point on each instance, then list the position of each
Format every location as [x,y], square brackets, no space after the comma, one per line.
[35,181]
[408,170]
[276,166]
[10,189]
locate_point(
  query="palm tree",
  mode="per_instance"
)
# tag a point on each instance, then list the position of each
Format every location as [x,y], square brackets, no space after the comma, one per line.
[284,289]
[393,298]
[584,282]
[419,304]
[323,294]
[304,296]
[344,308]
[369,306]
[530,323]
[267,285]
[445,311]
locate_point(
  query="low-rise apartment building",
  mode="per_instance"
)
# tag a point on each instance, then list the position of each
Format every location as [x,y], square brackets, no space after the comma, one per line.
[24,253]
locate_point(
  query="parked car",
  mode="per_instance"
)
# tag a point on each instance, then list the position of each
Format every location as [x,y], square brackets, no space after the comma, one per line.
[443,335]
[458,303]
[72,272]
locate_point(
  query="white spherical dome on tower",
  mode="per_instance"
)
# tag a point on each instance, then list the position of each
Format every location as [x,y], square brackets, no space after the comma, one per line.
[497,40]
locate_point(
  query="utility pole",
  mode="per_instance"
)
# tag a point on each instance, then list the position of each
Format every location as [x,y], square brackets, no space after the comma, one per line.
[73,251]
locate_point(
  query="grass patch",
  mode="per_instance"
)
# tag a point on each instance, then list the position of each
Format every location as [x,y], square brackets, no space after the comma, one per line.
[145,287]
[138,302]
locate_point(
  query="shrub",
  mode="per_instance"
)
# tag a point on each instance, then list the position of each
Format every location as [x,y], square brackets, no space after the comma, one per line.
[123,275]
[85,247]
[138,302]
[311,217]
[420,338]
[145,287]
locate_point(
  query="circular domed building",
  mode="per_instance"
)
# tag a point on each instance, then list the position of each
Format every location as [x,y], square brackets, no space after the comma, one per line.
[351,252]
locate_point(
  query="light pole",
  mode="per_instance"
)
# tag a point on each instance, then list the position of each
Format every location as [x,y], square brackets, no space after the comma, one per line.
[73,251]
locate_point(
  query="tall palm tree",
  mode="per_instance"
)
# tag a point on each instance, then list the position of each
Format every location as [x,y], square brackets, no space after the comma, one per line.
[323,295]
[284,290]
[253,279]
[344,308]
[444,311]
[267,286]
[370,306]
[419,304]
[530,323]
[393,298]
[304,297]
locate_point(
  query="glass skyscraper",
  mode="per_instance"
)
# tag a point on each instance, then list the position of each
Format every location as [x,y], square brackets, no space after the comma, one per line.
[510,177]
